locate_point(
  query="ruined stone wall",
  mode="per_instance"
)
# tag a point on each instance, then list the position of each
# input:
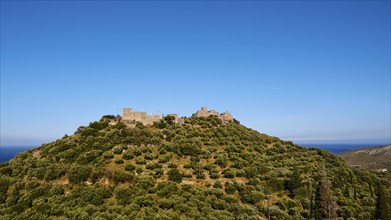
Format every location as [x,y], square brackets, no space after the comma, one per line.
[226,116]
[203,112]
[126,114]
[181,121]
[153,118]
[177,119]
[140,116]
[129,116]
[213,112]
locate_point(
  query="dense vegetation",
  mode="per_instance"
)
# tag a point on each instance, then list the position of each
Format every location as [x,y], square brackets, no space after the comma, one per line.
[203,169]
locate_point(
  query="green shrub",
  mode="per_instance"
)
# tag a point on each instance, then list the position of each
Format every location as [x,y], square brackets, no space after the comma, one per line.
[108,155]
[78,174]
[140,161]
[165,158]
[229,188]
[122,176]
[214,175]
[172,165]
[119,161]
[187,175]
[145,182]
[89,157]
[137,152]
[218,185]
[130,167]
[175,175]
[251,172]
[153,166]
[187,166]
[200,175]
[139,170]
[123,195]
[222,161]
[229,173]
[128,155]
[117,150]
[240,173]
[251,196]
[158,173]
[148,156]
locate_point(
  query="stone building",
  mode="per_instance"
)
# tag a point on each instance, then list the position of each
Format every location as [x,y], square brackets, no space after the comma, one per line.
[226,116]
[203,112]
[131,117]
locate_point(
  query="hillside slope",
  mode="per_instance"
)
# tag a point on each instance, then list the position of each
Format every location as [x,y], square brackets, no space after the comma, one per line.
[202,169]
[373,158]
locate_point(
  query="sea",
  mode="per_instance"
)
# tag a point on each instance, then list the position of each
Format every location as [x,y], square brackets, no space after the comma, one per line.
[9,152]
[340,148]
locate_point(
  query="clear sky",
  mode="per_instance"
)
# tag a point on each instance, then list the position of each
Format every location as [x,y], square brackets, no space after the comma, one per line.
[306,71]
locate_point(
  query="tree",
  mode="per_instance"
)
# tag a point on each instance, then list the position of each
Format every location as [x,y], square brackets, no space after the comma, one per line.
[251,172]
[130,167]
[79,173]
[228,173]
[120,176]
[325,205]
[383,203]
[294,180]
[251,196]
[4,184]
[170,119]
[222,161]
[307,180]
[218,185]
[123,195]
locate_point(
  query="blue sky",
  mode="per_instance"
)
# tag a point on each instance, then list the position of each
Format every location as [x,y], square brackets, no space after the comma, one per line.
[307,71]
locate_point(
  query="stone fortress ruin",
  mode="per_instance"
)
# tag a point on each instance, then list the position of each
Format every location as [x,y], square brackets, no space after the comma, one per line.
[130,117]
[203,112]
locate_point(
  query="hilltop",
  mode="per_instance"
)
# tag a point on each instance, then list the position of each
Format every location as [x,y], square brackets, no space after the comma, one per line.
[202,167]
[373,158]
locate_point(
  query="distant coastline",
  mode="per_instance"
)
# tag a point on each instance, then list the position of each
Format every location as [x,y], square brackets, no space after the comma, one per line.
[339,148]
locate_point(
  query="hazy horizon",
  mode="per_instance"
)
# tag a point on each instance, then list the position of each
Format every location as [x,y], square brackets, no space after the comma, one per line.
[302,71]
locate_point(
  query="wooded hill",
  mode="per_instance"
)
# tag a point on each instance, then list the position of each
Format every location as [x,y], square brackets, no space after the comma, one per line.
[203,169]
